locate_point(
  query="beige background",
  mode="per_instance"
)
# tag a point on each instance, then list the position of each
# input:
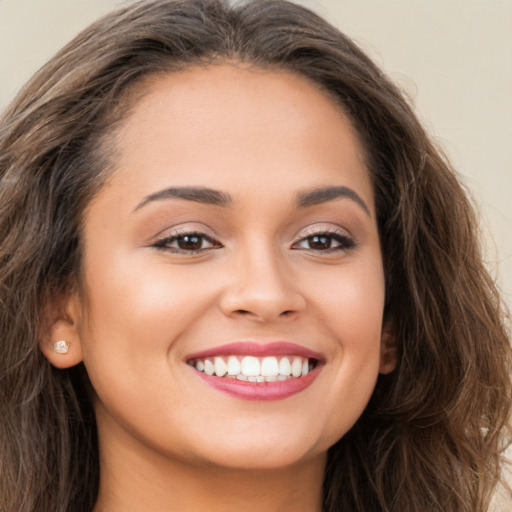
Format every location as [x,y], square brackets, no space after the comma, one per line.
[452,57]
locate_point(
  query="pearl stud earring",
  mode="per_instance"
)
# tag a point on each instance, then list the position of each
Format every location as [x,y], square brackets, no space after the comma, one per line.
[61,347]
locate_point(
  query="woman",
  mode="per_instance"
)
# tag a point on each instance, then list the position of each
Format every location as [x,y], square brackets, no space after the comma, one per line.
[236,272]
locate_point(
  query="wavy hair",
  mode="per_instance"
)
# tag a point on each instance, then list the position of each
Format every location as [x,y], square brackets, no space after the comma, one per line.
[431,438]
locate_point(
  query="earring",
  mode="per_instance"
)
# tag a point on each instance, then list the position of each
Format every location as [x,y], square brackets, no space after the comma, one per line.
[61,347]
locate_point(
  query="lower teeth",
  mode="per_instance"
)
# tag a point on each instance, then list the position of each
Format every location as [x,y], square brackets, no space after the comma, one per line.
[258,378]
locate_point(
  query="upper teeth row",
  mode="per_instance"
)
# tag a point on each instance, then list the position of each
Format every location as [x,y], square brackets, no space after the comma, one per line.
[250,366]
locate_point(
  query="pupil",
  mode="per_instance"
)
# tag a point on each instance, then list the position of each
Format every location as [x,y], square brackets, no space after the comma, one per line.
[190,242]
[320,242]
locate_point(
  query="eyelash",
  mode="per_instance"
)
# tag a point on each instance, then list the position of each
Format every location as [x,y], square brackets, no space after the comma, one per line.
[344,242]
[165,243]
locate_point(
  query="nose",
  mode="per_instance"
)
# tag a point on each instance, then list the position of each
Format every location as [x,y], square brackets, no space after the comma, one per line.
[261,288]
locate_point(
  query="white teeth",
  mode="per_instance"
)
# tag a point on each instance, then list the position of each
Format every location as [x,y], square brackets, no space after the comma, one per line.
[250,366]
[221,367]
[233,366]
[297,367]
[254,369]
[269,367]
[209,369]
[285,367]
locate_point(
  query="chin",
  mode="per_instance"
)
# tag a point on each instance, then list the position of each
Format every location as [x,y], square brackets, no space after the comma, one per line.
[262,453]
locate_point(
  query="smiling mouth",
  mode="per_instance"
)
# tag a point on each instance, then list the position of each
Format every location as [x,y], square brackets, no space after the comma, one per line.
[255,369]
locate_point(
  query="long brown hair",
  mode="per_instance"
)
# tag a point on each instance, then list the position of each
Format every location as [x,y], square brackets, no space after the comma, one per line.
[431,437]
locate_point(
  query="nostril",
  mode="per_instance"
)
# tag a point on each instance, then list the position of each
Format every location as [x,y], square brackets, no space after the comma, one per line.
[247,312]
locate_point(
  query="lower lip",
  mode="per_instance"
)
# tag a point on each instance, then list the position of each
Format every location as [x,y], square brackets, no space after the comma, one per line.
[260,391]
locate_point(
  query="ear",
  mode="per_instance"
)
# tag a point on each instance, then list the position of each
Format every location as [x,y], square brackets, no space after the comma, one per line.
[388,348]
[61,324]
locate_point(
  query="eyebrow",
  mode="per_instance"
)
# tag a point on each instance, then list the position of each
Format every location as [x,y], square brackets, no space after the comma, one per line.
[217,198]
[325,194]
[195,194]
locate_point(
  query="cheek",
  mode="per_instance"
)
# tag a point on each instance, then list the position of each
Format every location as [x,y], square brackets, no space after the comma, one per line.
[136,311]
[350,308]
[134,320]
[135,292]
[356,321]
[350,301]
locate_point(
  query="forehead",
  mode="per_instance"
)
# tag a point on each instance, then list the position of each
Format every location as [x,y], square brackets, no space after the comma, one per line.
[212,125]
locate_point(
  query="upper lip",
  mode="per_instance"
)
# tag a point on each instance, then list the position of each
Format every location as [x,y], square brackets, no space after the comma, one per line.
[252,348]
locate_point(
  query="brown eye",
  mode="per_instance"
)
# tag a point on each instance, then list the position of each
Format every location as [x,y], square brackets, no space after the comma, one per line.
[187,243]
[319,242]
[326,242]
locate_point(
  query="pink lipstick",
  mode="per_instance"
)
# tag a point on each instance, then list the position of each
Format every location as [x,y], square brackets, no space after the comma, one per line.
[254,371]
[242,348]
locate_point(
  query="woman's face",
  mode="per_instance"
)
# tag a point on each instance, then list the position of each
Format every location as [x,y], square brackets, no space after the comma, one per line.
[237,234]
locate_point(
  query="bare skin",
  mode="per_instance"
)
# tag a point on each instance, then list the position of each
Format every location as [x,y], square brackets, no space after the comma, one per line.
[260,257]
[157,484]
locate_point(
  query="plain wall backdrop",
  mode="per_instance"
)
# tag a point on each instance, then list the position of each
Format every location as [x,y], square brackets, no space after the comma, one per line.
[453,58]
